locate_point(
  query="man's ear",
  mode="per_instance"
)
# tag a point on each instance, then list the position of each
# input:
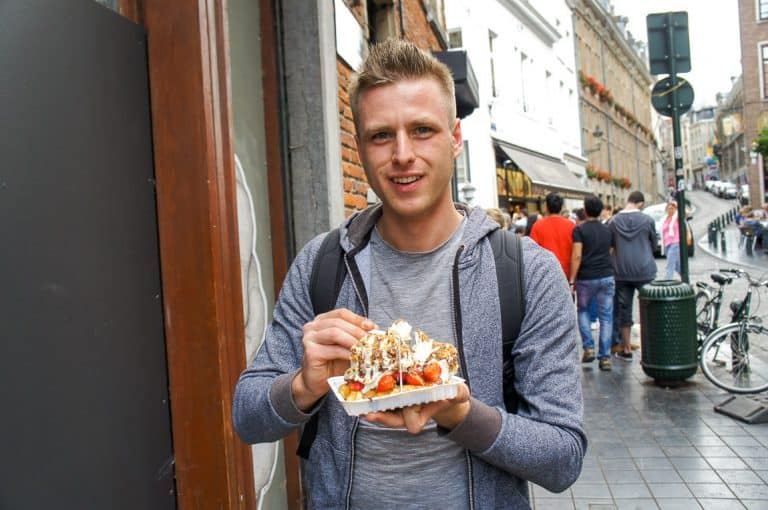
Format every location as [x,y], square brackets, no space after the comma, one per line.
[456,137]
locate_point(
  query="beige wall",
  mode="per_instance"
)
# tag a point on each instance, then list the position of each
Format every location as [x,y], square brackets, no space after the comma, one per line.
[626,150]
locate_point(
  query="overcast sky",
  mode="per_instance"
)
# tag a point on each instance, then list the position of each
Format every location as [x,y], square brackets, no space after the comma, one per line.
[714,36]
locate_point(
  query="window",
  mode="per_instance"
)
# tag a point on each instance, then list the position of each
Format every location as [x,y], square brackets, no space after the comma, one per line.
[764,68]
[491,40]
[454,38]
[434,10]
[381,21]
[762,10]
[462,165]
[523,69]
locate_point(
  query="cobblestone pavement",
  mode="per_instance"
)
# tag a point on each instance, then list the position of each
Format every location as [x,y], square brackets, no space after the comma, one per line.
[665,448]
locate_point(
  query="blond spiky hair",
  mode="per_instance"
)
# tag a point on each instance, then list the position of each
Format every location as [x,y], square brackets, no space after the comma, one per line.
[394,60]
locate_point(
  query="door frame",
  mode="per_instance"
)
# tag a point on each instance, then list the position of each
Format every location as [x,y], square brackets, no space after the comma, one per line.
[199,246]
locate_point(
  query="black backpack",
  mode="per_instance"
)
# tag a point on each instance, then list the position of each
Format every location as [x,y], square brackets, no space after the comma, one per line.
[329,271]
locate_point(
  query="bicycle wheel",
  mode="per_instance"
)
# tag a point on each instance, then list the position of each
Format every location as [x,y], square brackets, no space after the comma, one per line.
[705,314]
[735,357]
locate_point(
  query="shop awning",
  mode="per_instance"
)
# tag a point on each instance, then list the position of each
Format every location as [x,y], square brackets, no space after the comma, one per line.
[544,170]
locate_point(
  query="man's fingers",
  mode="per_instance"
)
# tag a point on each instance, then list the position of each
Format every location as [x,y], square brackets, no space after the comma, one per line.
[350,317]
[392,419]
[337,327]
[415,419]
[325,353]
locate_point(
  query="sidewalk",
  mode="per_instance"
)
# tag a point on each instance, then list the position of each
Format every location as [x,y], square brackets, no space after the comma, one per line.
[658,448]
[734,252]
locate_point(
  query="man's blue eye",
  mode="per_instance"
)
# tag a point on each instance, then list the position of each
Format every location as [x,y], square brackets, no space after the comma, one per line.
[380,136]
[423,130]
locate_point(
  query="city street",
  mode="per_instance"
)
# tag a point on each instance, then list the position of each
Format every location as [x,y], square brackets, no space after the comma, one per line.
[652,447]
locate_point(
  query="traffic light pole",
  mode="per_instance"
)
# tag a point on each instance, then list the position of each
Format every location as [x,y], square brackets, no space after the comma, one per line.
[678,153]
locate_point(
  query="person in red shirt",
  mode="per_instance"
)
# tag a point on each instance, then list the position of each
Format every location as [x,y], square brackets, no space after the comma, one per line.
[555,233]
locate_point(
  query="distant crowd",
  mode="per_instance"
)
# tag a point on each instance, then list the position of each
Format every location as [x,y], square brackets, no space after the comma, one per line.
[606,255]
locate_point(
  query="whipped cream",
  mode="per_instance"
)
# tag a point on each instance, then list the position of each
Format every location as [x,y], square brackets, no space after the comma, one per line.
[399,349]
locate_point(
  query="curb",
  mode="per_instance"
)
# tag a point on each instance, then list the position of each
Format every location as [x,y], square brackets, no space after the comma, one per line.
[703,245]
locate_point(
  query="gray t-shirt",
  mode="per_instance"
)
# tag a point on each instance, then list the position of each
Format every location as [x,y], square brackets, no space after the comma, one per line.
[391,466]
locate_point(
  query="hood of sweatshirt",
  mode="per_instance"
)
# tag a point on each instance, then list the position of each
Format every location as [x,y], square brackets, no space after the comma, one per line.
[631,224]
[356,230]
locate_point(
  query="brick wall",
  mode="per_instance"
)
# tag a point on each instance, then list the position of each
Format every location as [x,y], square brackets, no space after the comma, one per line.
[752,34]
[418,30]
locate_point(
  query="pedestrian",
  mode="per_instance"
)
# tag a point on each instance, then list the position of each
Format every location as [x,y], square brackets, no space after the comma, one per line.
[522,219]
[418,256]
[530,221]
[634,236]
[592,278]
[555,232]
[497,215]
[581,217]
[670,235]
[607,213]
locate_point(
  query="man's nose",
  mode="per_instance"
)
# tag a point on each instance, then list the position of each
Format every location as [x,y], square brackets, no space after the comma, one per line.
[403,149]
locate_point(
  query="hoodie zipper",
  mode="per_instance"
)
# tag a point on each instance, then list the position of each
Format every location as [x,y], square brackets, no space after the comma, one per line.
[354,276]
[458,328]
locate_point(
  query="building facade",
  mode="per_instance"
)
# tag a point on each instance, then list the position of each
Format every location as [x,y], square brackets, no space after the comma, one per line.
[701,141]
[615,103]
[523,140]
[753,22]
[242,110]
[730,149]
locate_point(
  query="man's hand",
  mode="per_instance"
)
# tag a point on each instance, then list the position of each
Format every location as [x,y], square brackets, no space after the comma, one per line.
[327,340]
[447,413]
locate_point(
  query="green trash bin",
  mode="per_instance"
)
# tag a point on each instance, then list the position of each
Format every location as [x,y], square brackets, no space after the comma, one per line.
[668,330]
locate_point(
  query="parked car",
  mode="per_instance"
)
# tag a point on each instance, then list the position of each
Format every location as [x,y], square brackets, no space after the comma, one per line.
[711,185]
[744,194]
[718,188]
[658,212]
[729,190]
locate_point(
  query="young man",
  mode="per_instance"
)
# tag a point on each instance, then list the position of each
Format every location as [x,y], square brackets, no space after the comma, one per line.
[592,278]
[634,236]
[554,232]
[420,257]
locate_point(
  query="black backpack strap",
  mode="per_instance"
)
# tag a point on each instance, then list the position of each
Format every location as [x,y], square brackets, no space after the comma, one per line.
[328,273]
[508,254]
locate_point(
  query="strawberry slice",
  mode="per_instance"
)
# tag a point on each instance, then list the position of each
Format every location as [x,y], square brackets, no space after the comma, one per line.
[386,383]
[355,385]
[432,372]
[413,379]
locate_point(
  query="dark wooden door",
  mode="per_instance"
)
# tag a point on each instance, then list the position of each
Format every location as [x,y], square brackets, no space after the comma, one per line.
[84,411]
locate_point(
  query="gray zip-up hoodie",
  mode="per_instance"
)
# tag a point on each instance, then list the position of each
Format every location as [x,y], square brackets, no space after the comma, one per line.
[544,442]
[634,236]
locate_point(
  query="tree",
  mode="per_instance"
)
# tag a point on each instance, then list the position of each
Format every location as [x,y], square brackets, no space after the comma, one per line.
[761,142]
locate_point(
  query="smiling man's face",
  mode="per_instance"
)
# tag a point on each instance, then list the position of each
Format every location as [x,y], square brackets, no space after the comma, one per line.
[407,143]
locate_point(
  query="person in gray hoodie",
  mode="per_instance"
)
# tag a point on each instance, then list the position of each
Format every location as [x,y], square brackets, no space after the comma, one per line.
[634,236]
[420,257]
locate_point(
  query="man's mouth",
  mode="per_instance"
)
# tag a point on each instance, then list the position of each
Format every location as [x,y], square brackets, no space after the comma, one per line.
[405,180]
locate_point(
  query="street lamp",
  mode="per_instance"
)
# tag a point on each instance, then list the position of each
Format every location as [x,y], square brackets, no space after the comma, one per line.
[468,192]
[598,134]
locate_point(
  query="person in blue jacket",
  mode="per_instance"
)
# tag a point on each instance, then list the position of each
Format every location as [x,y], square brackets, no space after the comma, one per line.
[420,257]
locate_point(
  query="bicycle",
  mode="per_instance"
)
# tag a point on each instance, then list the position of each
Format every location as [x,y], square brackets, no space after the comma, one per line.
[734,357]
[708,301]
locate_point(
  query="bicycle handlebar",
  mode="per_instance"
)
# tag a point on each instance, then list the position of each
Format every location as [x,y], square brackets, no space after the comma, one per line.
[741,273]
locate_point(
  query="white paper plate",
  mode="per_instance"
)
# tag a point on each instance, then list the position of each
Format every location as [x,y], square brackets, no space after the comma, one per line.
[389,402]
